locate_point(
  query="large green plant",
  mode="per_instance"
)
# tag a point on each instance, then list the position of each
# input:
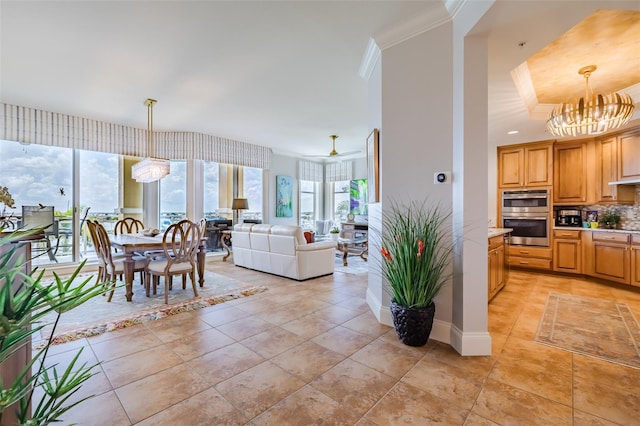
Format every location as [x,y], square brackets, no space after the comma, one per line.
[416,252]
[25,301]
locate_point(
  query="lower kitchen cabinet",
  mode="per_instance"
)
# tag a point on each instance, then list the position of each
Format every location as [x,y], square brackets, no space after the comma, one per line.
[496,265]
[567,251]
[635,260]
[530,257]
[611,256]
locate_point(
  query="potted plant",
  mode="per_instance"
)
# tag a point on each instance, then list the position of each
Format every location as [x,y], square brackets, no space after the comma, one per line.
[24,301]
[610,218]
[335,232]
[416,252]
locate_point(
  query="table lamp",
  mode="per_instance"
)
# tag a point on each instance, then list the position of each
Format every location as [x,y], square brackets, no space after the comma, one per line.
[238,204]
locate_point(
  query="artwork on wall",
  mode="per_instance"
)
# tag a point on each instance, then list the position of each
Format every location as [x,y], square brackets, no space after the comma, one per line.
[373,145]
[284,200]
[358,196]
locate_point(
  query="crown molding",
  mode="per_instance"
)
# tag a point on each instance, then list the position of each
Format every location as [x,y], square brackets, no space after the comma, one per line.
[369,60]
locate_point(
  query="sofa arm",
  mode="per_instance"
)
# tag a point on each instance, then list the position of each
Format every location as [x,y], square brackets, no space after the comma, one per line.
[320,245]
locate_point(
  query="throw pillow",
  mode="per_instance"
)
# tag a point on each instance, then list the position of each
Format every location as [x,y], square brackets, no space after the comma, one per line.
[309,236]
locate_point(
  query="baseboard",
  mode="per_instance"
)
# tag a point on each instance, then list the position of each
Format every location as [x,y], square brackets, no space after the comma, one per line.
[470,343]
[441,330]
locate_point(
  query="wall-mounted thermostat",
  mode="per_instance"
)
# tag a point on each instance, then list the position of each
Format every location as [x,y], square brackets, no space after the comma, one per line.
[442,177]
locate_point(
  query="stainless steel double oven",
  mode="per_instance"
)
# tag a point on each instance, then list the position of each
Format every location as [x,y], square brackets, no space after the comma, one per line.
[526,211]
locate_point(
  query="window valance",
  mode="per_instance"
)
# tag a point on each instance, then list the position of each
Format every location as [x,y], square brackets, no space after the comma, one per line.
[30,125]
[308,170]
[339,171]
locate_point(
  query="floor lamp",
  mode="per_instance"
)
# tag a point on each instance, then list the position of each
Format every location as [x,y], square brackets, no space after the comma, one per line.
[238,204]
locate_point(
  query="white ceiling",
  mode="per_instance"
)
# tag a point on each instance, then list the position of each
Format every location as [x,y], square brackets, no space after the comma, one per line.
[279,74]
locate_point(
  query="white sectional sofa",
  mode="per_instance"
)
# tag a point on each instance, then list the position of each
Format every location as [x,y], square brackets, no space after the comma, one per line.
[281,250]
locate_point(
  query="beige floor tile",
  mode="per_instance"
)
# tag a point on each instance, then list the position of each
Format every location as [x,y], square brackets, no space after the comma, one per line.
[355,385]
[343,340]
[222,316]
[476,420]
[308,326]
[307,361]
[257,389]
[272,342]
[458,386]
[177,326]
[157,392]
[284,314]
[337,314]
[306,406]
[139,365]
[367,323]
[126,344]
[536,368]
[225,362]
[198,344]
[581,418]
[408,405]
[378,353]
[478,366]
[203,409]
[245,327]
[101,410]
[504,404]
[607,390]
[333,296]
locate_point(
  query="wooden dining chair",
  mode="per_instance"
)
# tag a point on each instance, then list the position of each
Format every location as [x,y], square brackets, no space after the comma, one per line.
[111,267]
[180,244]
[128,225]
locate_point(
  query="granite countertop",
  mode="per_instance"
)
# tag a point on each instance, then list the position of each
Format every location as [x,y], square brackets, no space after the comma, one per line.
[494,232]
[580,228]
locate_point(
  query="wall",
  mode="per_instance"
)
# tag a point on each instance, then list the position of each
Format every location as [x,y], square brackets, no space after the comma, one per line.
[281,166]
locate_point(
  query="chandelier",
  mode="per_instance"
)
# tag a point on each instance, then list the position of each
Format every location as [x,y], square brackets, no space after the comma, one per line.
[150,169]
[595,113]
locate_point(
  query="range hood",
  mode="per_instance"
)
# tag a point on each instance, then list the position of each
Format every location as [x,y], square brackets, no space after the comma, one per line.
[626,182]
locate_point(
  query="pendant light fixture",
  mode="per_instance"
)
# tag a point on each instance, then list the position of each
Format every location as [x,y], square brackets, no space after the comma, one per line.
[150,169]
[595,113]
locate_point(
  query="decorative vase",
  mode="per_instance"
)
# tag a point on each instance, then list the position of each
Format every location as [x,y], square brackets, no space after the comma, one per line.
[413,325]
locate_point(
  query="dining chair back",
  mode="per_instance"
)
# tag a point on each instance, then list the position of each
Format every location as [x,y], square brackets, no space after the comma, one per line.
[180,244]
[42,217]
[128,225]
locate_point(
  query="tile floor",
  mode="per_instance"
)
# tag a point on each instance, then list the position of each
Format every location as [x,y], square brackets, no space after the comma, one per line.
[312,353]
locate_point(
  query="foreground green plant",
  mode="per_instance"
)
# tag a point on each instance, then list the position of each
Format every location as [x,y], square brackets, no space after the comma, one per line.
[416,251]
[25,301]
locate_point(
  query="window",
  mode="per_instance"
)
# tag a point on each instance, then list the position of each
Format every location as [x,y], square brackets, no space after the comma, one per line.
[340,200]
[308,205]
[252,190]
[173,195]
[211,190]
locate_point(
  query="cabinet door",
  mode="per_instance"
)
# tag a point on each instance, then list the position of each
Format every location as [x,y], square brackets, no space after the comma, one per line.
[567,256]
[606,169]
[569,178]
[538,167]
[635,265]
[629,156]
[510,167]
[611,261]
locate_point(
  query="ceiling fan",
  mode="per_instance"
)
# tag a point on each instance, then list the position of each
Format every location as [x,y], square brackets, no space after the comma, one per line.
[333,152]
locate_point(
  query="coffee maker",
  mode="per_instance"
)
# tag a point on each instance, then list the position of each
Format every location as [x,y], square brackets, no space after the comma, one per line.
[568,218]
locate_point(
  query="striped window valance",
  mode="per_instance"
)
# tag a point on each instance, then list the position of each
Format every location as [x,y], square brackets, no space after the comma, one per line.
[30,125]
[308,170]
[339,171]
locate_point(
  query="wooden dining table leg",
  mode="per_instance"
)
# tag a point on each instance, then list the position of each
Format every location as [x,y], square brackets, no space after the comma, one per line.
[200,260]
[129,266]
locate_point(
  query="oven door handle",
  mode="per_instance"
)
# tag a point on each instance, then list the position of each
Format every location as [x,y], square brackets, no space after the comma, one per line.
[524,218]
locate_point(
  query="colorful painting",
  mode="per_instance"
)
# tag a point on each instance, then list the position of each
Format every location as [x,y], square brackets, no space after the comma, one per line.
[284,202]
[358,197]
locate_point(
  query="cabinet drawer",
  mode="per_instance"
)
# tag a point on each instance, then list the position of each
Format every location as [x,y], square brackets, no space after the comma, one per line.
[571,235]
[529,251]
[495,242]
[530,262]
[635,239]
[611,237]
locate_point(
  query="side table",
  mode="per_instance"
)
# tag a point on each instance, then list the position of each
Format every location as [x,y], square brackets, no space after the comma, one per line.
[225,238]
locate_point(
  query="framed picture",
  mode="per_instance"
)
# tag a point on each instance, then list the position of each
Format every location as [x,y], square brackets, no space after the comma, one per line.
[373,173]
[284,194]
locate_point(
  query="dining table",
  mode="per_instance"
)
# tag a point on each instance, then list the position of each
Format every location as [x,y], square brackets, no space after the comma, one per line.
[133,244]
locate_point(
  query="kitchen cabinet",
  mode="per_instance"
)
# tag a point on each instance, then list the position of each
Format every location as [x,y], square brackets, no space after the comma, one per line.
[635,260]
[606,168]
[611,256]
[530,257]
[570,173]
[496,270]
[629,156]
[567,251]
[525,165]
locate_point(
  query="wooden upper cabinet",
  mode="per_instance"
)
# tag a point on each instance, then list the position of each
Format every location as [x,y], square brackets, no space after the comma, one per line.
[525,166]
[629,155]
[570,173]
[606,168]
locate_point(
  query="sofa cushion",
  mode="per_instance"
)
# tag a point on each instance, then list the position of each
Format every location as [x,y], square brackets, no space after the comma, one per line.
[244,227]
[292,230]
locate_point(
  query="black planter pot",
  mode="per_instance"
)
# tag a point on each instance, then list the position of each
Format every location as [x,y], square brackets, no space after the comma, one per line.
[413,325]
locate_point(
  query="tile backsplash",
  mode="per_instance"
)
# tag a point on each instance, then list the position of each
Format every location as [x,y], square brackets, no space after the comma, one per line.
[629,214]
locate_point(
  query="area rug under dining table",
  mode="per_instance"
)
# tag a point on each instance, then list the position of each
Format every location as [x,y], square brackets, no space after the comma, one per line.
[98,316]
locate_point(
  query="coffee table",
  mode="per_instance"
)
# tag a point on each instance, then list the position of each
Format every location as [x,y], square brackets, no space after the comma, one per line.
[358,246]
